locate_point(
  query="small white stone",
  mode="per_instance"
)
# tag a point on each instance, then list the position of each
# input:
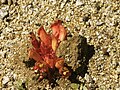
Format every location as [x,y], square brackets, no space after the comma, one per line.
[80,77]
[99,23]
[9,2]
[5,80]
[35,71]
[62,5]
[118,70]
[7,30]
[25,33]
[87,77]
[78,2]
[3,13]
[14,76]
[99,36]
[93,0]
[97,33]
[118,88]
[3,1]
[67,18]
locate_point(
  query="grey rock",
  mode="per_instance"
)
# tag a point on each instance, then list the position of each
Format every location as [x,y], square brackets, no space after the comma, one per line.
[71,49]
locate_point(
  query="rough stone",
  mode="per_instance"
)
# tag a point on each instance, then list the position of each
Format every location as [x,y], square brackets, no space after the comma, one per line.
[3,12]
[72,47]
[5,80]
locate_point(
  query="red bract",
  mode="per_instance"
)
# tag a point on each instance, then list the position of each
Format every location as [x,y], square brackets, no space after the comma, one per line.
[58,30]
[43,51]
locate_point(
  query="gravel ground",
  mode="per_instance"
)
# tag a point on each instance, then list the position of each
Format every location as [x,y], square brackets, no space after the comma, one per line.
[96,20]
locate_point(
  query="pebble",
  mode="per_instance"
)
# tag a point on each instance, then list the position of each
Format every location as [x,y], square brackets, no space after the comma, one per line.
[99,23]
[10,2]
[5,80]
[3,12]
[79,3]
[87,77]
[3,1]
[118,70]
[2,53]
[84,88]
[67,18]
[114,63]
[118,88]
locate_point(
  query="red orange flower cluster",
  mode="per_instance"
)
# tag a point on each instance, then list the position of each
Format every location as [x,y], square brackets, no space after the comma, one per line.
[44,50]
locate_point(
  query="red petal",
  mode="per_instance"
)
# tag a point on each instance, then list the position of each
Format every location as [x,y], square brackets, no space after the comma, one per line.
[55,28]
[44,36]
[58,30]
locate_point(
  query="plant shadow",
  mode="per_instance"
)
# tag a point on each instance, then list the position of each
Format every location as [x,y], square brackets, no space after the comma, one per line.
[87,51]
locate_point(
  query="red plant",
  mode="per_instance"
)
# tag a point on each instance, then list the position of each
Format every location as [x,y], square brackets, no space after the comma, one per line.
[44,50]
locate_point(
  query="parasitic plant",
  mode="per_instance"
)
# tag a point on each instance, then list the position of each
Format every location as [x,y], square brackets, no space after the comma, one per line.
[44,50]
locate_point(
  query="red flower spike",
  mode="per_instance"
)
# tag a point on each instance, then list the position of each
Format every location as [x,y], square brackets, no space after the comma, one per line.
[58,30]
[44,51]
[44,36]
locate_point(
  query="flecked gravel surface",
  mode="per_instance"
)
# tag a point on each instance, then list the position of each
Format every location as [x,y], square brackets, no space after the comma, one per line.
[96,20]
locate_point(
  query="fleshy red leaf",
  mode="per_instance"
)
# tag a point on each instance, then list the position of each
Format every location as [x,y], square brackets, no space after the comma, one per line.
[44,36]
[55,28]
